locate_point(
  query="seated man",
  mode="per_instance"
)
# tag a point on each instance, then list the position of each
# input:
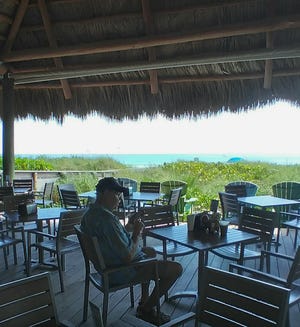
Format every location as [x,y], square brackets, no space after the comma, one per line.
[118,247]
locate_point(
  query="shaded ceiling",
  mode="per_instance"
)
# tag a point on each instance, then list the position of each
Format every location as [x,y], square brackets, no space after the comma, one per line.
[127,58]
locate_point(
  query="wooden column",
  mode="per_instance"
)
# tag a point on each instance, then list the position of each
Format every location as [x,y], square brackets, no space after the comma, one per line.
[8,129]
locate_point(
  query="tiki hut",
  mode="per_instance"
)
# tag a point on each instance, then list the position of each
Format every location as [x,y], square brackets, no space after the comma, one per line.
[123,59]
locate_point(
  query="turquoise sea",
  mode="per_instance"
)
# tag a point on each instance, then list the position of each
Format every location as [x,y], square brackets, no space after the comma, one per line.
[145,160]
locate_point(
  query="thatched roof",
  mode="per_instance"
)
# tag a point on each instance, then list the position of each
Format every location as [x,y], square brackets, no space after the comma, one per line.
[129,57]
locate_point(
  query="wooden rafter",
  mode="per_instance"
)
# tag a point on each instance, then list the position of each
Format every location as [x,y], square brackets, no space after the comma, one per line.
[15,26]
[260,26]
[217,58]
[269,45]
[169,80]
[148,19]
[53,44]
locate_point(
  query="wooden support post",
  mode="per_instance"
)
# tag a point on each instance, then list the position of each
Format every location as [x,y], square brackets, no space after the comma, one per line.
[8,129]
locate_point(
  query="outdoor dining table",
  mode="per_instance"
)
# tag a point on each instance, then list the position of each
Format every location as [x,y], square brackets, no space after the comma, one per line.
[139,197]
[268,201]
[200,241]
[43,214]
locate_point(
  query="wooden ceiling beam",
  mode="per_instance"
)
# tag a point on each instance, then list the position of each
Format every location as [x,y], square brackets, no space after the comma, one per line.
[217,58]
[269,45]
[15,26]
[132,15]
[53,43]
[149,26]
[260,26]
[167,80]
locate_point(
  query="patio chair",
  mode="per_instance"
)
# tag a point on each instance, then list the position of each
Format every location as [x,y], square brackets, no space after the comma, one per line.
[173,201]
[100,278]
[127,204]
[69,187]
[23,184]
[255,221]
[60,244]
[8,238]
[288,282]
[29,301]
[45,198]
[70,199]
[238,189]
[287,190]
[228,299]
[167,186]
[251,188]
[149,187]
[231,209]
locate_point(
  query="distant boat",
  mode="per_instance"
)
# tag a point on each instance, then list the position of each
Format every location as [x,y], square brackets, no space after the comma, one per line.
[235,159]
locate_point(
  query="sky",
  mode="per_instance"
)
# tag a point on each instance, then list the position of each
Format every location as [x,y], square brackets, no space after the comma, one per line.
[272,130]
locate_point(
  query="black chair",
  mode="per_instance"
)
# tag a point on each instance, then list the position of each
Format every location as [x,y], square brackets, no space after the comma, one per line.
[228,299]
[173,201]
[238,189]
[251,188]
[289,282]
[255,221]
[70,199]
[24,184]
[149,187]
[8,238]
[231,209]
[45,198]
[60,244]
[29,302]
[91,251]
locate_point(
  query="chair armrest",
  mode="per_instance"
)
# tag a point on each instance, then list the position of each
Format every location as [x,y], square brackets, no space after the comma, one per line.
[131,265]
[276,254]
[256,273]
[36,232]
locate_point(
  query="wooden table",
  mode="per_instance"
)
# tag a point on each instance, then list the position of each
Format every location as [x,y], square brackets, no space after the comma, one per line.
[268,201]
[199,241]
[43,214]
[135,196]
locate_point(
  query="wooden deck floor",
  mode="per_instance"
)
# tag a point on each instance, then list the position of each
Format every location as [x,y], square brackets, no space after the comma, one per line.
[70,302]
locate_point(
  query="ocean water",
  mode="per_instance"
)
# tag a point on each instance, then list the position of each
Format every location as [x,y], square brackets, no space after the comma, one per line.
[146,160]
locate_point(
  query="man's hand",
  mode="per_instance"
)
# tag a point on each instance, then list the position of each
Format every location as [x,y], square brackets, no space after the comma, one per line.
[137,228]
[150,252]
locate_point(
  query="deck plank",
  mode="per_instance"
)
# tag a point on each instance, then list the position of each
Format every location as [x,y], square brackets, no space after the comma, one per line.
[70,303]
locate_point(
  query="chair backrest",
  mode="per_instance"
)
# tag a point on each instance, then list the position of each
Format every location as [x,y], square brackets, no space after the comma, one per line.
[150,187]
[128,182]
[157,216]
[167,186]
[23,183]
[91,250]
[174,197]
[239,190]
[70,199]
[11,202]
[48,191]
[228,299]
[259,222]
[294,273]
[229,204]
[287,190]
[251,188]
[28,301]
[67,221]
[69,187]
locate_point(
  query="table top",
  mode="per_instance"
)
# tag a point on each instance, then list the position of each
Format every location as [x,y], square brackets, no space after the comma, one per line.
[42,214]
[137,196]
[265,201]
[200,241]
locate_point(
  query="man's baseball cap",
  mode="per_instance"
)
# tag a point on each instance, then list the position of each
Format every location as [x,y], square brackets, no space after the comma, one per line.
[110,184]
